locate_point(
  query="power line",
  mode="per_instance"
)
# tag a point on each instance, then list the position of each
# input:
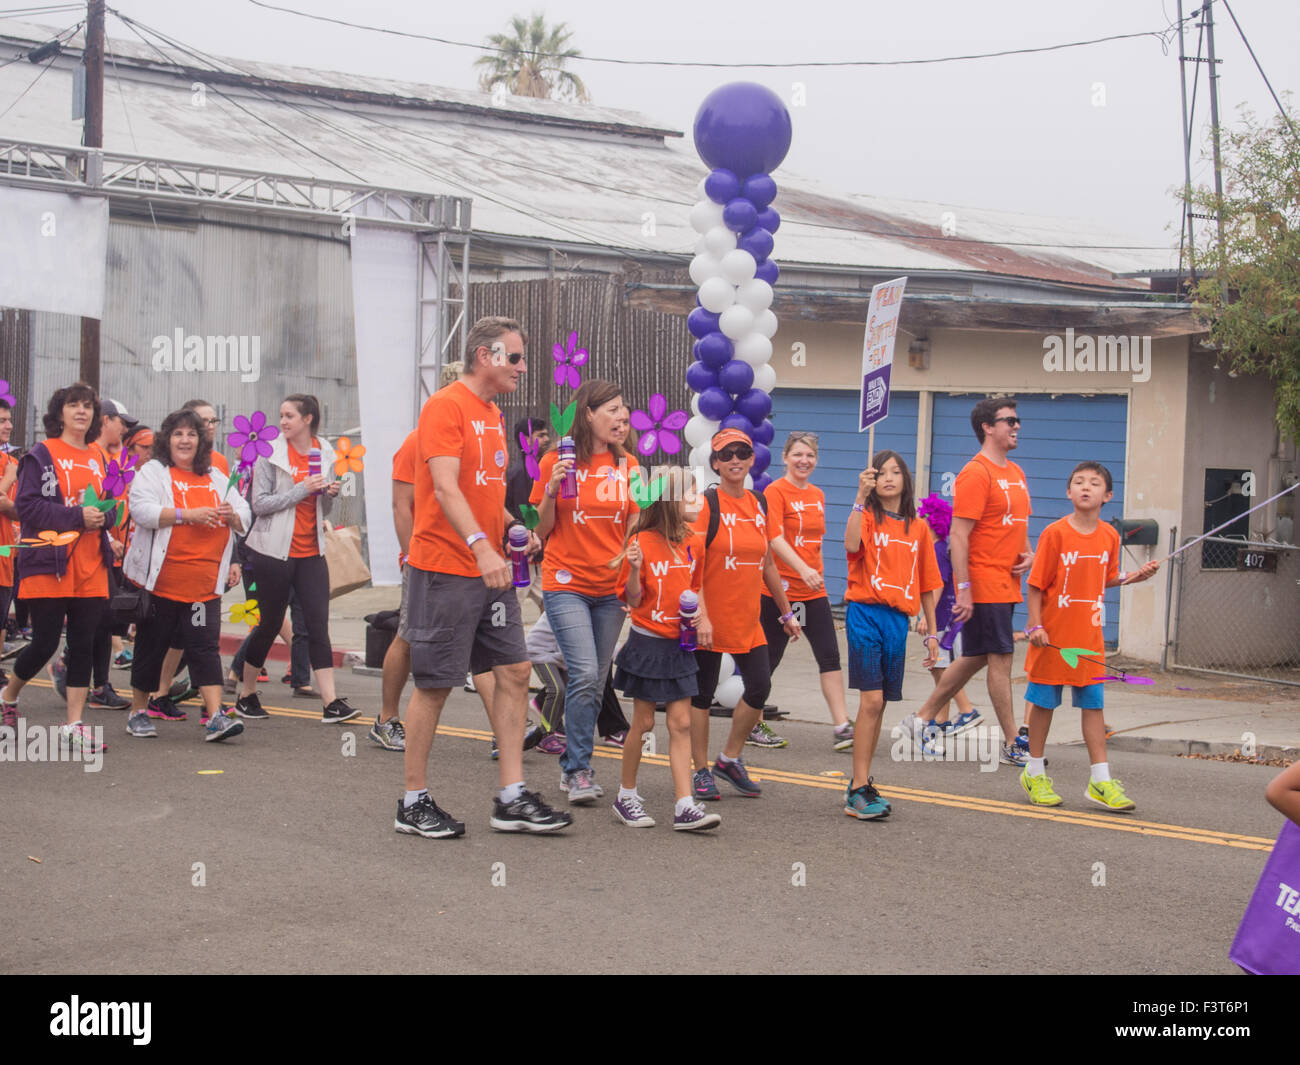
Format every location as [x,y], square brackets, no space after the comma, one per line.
[1280,109]
[31,86]
[70,31]
[46,10]
[1159,34]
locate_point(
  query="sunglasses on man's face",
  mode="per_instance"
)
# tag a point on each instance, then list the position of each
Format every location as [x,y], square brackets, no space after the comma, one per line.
[1011,420]
[735,451]
[513,357]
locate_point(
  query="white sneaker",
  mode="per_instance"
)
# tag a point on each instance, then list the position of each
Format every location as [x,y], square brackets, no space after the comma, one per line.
[581,786]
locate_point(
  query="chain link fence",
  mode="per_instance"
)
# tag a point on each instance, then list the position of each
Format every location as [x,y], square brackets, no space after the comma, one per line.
[1238,609]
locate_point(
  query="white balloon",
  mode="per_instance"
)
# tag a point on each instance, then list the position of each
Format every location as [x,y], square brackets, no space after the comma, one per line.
[765,322]
[738,266]
[704,267]
[701,248]
[729,691]
[749,480]
[726,666]
[720,240]
[707,215]
[717,294]
[699,430]
[754,349]
[755,293]
[695,403]
[700,453]
[736,322]
[764,377]
[699,190]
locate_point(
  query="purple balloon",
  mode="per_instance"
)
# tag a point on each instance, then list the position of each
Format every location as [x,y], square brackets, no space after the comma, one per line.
[761,482]
[736,377]
[764,432]
[758,242]
[701,322]
[699,377]
[759,189]
[744,127]
[768,271]
[754,405]
[715,404]
[721,185]
[734,421]
[739,215]
[762,459]
[714,351]
[768,219]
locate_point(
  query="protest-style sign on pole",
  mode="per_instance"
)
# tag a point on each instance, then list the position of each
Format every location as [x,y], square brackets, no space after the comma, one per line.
[878,356]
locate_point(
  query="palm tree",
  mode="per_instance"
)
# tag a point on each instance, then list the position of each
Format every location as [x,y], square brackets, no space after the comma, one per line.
[531,62]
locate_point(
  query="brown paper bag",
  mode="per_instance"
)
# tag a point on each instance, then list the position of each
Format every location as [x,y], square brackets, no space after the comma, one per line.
[347,566]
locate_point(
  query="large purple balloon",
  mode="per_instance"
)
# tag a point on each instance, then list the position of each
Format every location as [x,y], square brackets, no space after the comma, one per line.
[762,459]
[699,377]
[758,242]
[736,377]
[761,482]
[744,127]
[764,432]
[759,189]
[768,219]
[768,271]
[754,405]
[722,185]
[734,421]
[715,404]
[739,215]
[701,322]
[714,351]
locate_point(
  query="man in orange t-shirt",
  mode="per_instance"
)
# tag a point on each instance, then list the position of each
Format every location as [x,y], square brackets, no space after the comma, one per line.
[989,548]
[459,603]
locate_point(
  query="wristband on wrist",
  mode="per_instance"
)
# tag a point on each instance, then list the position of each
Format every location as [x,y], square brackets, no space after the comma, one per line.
[963,586]
[859,508]
[929,636]
[474,538]
[550,494]
[180,518]
[1033,630]
[785,617]
[1123,576]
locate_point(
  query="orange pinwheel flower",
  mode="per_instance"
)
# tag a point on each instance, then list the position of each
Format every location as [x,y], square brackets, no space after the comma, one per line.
[347,458]
[49,538]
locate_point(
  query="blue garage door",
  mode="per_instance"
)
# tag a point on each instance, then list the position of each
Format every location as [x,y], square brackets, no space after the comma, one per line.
[1056,434]
[841,455]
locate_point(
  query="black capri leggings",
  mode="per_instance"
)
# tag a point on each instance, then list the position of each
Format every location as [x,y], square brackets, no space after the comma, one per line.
[47,616]
[754,672]
[310,579]
[818,628]
[199,627]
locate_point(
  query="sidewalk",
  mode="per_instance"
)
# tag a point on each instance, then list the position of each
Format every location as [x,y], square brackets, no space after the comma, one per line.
[1182,713]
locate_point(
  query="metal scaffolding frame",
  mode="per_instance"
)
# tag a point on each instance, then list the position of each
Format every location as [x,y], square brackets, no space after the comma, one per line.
[442,304]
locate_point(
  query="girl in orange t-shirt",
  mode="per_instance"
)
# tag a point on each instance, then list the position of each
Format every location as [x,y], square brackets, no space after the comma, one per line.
[664,560]
[578,586]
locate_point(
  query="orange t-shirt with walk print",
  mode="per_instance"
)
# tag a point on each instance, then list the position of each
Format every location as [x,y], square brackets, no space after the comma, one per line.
[589,529]
[894,565]
[189,572]
[455,423]
[305,543]
[75,469]
[799,514]
[733,570]
[1072,570]
[997,498]
[666,571]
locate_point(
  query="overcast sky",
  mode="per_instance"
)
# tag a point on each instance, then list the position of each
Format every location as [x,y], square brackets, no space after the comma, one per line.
[1089,133]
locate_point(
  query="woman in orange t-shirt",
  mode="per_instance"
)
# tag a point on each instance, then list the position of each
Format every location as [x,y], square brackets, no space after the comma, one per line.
[578,587]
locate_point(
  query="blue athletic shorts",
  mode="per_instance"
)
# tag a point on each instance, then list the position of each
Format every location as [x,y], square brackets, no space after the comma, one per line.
[877,638]
[1048,696]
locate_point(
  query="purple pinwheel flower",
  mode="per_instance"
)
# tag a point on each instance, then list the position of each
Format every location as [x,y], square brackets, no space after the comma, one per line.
[658,431]
[116,478]
[5,394]
[530,457]
[569,357]
[253,437]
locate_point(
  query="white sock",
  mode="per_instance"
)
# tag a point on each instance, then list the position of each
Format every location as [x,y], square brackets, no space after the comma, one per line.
[412,797]
[511,792]
[1101,772]
[627,793]
[722,759]
[683,805]
[1036,766]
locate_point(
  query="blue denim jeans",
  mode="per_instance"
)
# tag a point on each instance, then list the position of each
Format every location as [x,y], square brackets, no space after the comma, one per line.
[586,628]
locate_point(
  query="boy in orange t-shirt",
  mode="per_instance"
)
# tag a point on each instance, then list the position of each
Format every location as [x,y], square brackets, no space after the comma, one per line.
[1076,561]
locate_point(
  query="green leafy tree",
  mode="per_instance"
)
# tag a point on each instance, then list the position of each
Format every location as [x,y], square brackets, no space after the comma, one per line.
[1248,290]
[530,61]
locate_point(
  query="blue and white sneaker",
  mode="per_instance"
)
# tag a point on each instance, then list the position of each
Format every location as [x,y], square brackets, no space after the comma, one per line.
[866,803]
[965,722]
[1022,740]
[141,727]
[222,727]
[932,740]
[704,788]
[734,774]
[1011,754]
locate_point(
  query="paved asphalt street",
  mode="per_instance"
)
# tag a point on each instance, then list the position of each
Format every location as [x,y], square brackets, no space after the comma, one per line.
[302,872]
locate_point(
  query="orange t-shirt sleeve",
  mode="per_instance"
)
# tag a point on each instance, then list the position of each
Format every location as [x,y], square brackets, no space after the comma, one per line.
[931,581]
[404,461]
[971,492]
[1046,556]
[545,466]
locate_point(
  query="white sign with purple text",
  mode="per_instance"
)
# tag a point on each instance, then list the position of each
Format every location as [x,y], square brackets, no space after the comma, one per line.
[878,350]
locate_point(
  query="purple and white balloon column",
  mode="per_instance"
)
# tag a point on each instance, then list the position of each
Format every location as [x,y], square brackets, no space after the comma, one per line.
[742,131]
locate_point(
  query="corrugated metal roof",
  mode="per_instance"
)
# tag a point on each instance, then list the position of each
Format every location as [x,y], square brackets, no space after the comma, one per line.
[539,169]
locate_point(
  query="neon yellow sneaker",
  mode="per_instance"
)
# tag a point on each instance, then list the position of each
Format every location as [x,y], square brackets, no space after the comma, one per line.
[1109,794]
[1039,789]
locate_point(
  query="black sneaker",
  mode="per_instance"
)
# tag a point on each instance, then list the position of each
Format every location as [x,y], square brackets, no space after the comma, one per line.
[250,707]
[182,690]
[527,814]
[338,711]
[426,818]
[105,698]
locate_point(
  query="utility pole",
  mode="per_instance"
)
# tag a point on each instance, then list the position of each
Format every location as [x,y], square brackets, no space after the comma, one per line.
[1207,10]
[93,138]
[1187,159]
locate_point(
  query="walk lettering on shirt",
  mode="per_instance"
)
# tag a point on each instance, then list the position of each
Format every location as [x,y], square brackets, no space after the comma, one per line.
[997,498]
[894,565]
[800,514]
[590,528]
[1072,570]
[666,571]
[733,570]
[455,423]
[305,543]
[189,572]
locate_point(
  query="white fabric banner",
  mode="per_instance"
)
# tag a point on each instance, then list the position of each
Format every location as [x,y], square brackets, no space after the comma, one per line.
[384,287]
[54,251]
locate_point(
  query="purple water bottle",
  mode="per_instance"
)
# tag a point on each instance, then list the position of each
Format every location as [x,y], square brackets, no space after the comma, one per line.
[568,452]
[949,636]
[313,465]
[688,609]
[519,556]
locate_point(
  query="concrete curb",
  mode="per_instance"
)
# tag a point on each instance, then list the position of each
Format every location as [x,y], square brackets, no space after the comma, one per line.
[1157,745]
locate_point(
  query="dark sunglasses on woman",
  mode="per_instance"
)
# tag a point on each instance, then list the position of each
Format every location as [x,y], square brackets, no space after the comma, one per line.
[734,451]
